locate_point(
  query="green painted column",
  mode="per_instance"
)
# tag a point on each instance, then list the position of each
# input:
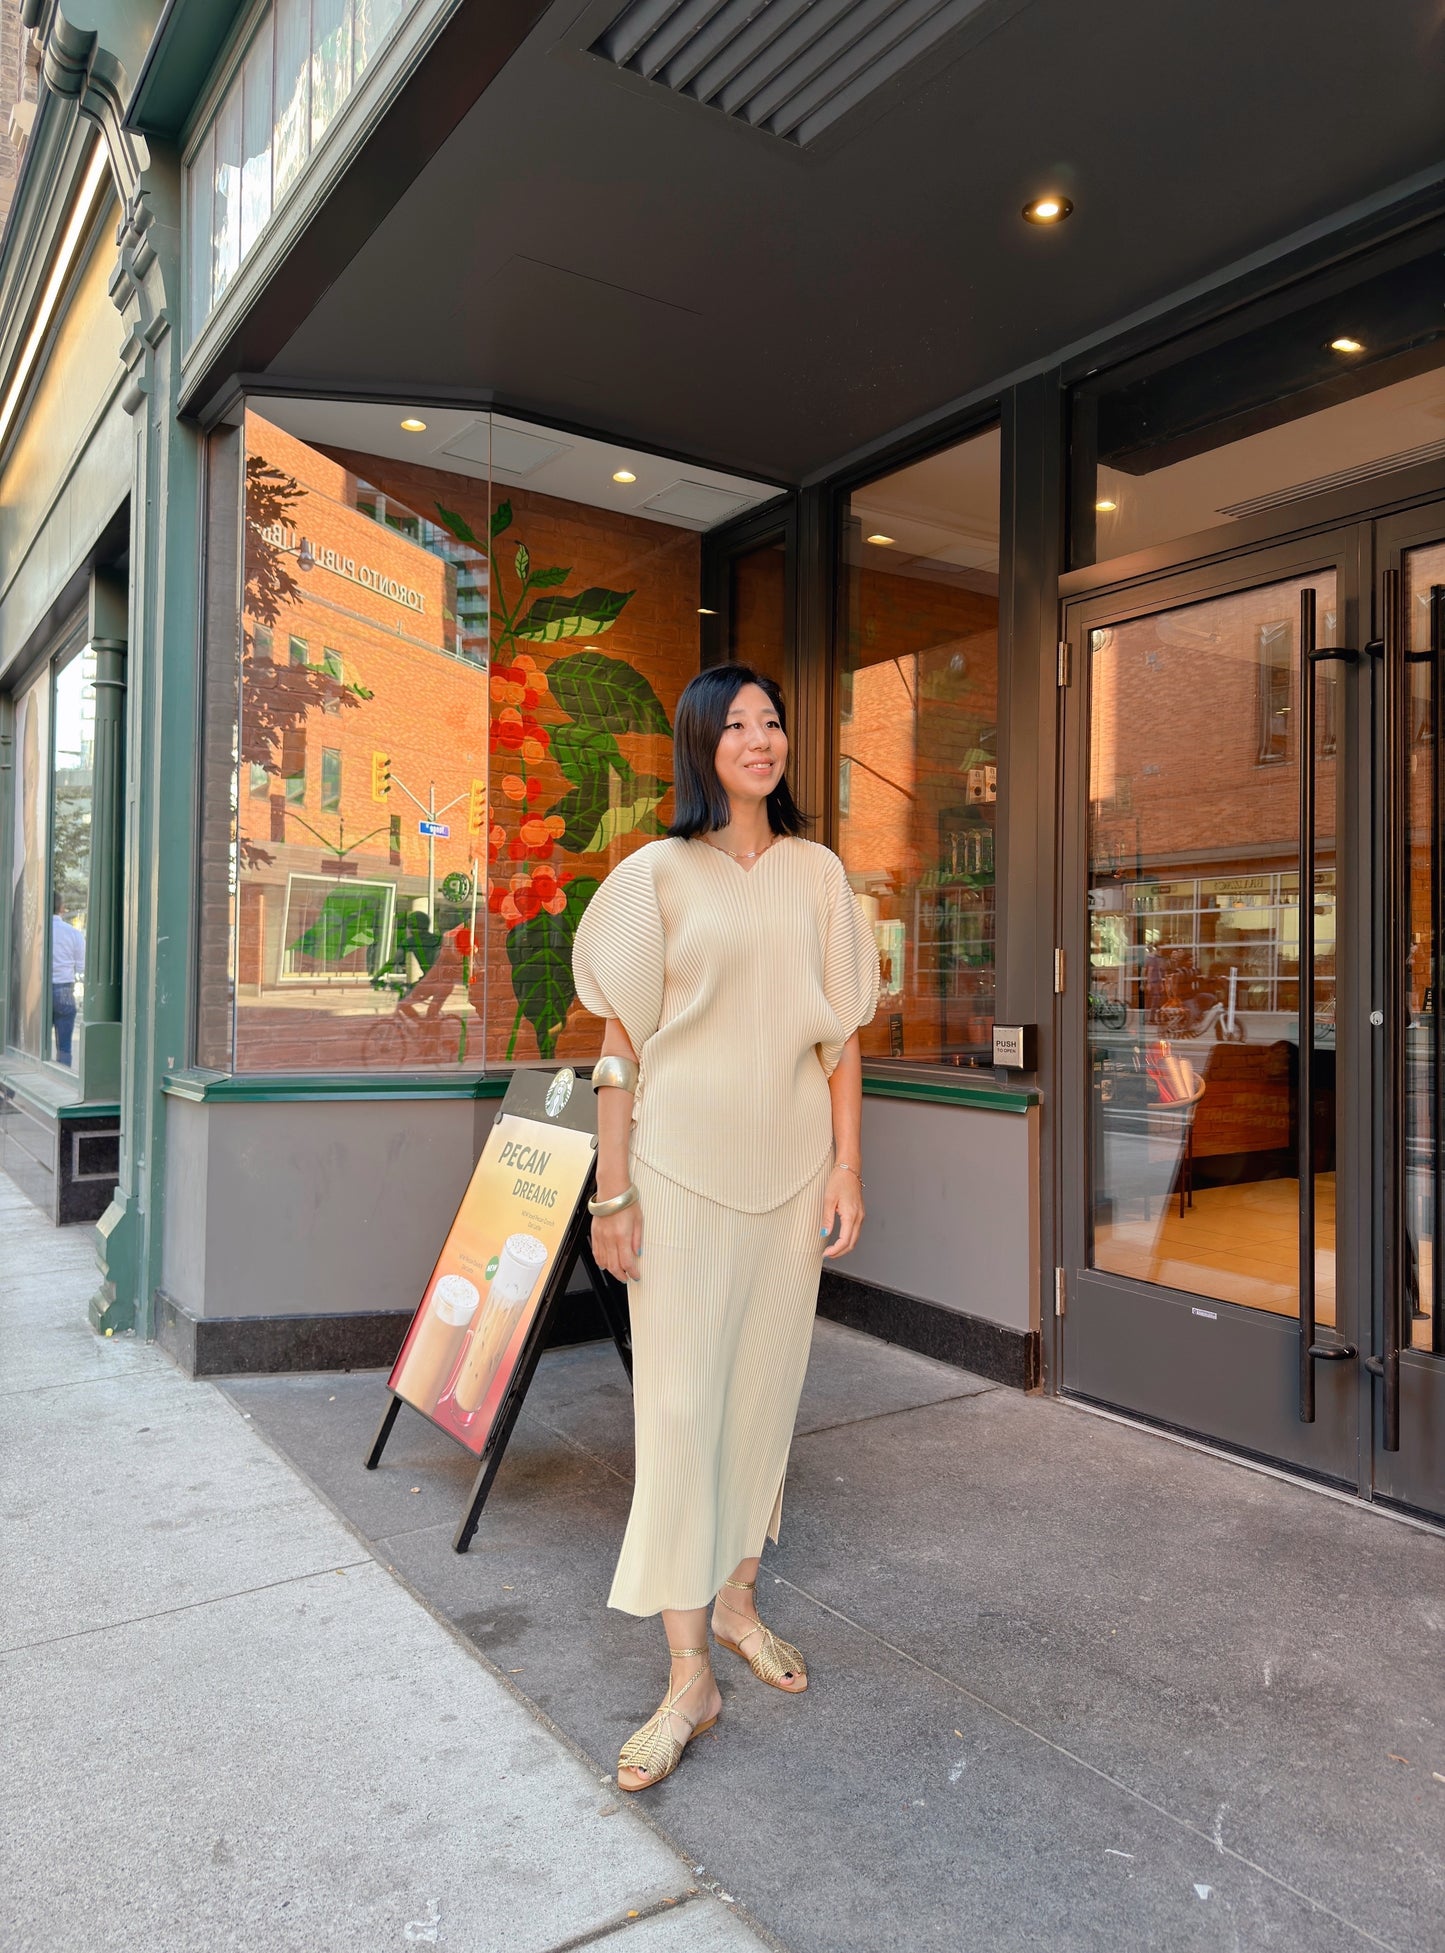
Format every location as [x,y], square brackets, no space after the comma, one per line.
[104,945]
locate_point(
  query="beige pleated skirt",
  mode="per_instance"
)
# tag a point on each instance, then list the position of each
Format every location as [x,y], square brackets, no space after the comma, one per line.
[722,1321]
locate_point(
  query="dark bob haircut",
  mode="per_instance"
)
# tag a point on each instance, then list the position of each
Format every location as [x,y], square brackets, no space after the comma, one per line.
[702,713]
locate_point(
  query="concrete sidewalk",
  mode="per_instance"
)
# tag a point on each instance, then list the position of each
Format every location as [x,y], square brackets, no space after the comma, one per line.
[226,1725]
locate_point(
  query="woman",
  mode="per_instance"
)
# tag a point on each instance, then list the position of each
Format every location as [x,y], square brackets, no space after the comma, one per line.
[733,968]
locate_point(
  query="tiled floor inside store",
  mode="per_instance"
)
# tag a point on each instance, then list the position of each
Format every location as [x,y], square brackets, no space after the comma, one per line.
[1074,1686]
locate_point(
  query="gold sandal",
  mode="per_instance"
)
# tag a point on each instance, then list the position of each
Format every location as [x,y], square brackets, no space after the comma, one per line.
[655,1748]
[774,1660]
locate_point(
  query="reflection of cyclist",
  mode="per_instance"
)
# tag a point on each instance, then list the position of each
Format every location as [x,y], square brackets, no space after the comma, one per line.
[436,983]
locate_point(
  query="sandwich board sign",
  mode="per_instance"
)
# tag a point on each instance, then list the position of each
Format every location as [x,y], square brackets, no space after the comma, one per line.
[473,1345]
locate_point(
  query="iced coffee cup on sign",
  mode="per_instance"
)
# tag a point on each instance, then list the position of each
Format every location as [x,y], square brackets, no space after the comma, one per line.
[438,1340]
[519,1267]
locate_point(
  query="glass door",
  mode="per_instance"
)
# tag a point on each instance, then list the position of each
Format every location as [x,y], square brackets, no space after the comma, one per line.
[1212,738]
[1254,895]
[1407,1358]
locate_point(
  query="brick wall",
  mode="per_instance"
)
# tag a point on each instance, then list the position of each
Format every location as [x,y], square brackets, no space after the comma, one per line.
[17,100]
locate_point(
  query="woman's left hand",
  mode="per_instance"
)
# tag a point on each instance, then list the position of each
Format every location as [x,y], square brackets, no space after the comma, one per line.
[843,1203]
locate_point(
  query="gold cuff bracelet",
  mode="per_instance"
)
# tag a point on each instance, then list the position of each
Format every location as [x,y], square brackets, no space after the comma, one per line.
[621,1072]
[600,1209]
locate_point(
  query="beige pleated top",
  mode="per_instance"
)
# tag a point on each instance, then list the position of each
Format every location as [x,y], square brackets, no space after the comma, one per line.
[738,989]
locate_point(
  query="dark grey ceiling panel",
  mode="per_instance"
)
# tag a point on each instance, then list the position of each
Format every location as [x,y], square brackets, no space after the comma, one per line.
[790,67]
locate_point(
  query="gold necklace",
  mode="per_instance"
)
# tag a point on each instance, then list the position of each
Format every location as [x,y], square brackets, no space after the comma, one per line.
[738,854]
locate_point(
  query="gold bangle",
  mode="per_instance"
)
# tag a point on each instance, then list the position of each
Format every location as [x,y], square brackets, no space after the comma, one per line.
[621,1072]
[601,1209]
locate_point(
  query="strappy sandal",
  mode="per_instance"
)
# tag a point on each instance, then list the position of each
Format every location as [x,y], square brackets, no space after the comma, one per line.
[655,1747]
[774,1660]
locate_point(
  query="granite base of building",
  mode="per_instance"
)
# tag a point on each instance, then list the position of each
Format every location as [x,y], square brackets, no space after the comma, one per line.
[64,1160]
[252,1346]
[989,1349]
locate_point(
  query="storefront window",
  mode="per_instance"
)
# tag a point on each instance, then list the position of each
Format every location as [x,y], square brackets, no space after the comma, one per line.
[918,776]
[29,873]
[72,791]
[50,872]
[461,649]
[302,61]
[1342,389]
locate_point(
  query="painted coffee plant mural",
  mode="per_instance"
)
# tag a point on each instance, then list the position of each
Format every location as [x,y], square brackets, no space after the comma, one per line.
[567,708]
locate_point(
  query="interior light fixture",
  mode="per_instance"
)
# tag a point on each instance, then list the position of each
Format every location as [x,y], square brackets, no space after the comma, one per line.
[1106,506]
[623,475]
[703,611]
[413,426]
[1344,344]
[883,542]
[97,174]
[1048,209]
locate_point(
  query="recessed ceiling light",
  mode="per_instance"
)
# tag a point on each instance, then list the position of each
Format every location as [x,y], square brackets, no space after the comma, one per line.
[1050,209]
[1344,344]
[413,426]
[624,474]
[1106,507]
[883,542]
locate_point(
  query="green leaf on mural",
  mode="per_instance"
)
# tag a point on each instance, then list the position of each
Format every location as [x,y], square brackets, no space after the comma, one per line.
[553,618]
[582,753]
[627,815]
[584,810]
[550,578]
[606,693]
[540,952]
[603,807]
[523,560]
[459,527]
[501,519]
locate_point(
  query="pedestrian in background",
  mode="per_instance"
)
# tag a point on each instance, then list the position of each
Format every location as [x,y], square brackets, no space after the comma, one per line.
[67,963]
[734,968]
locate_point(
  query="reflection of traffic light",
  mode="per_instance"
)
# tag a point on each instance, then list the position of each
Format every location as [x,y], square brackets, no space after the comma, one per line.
[380,775]
[477,807]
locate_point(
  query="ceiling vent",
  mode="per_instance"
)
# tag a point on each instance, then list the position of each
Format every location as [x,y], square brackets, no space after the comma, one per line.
[789,67]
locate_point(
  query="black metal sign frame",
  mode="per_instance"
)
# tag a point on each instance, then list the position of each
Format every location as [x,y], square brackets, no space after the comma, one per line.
[528,1098]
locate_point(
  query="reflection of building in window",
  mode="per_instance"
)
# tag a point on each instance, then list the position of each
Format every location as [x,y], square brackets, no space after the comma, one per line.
[260,781]
[330,780]
[261,643]
[293,762]
[1327,708]
[299,652]
[339,932]
[918,771]
[1273,683]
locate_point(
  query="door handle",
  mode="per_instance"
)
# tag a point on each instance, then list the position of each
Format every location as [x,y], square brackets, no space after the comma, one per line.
[1394,703]
[1311,1351]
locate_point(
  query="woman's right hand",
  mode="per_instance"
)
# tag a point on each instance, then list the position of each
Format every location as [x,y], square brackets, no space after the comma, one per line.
[617,1243]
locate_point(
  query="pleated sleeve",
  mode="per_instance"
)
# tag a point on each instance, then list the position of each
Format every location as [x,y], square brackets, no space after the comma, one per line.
[617,953]
[850,968]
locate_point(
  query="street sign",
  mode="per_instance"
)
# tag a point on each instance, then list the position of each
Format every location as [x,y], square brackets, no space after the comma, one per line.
[437,829]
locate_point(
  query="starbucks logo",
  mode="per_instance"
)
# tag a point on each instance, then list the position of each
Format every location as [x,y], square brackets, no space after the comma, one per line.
[560,1090]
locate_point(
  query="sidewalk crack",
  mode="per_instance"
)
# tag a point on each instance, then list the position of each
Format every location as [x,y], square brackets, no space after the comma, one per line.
[186,1607]
[621,1925]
